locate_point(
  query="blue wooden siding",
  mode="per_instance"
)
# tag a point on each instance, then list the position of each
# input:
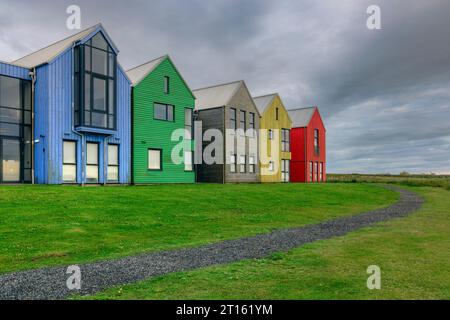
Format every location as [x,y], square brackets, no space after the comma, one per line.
[54,124]
[14,71]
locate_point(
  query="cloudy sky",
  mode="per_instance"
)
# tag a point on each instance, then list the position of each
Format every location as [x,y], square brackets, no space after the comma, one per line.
[384,94]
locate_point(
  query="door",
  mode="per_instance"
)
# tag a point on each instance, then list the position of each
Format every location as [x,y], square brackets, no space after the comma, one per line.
[10,160]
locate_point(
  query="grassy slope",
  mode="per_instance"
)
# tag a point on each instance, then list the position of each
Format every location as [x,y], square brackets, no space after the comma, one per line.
[52,225]
[413,254]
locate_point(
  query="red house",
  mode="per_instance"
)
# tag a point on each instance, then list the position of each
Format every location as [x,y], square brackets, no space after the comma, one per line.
[308,146]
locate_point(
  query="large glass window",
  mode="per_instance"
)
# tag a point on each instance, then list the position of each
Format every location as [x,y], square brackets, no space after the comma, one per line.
[285,140]
[154,159]
[95,84]
[15,130]
[251,164]
[243,121]
[92,163]
[69,161]
[285,170]
[316,142]
[113,163]
[233,124]
[163,112]
[233,163]
[188,123]
[311,171]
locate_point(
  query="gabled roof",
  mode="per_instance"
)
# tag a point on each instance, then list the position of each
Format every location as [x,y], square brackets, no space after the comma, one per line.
[137,74]
[301,117]
[263,102]
[47,54]
[216,96]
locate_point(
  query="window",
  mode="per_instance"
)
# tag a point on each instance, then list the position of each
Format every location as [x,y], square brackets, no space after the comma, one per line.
[69,161]
[92,163]
[243,120]
[166,85]
[113,163]
[95,84]
[233,163]
[233,124]
[188,161]
[271,166]
[321,171]
[270,134]
[277,111]
[285,140]
[252,165]
[154,159]
[163,112]
[242,164]
[316,142]
[188,123]
[316,170]
[15,130]
[285,170]
[251,123]
[311,171]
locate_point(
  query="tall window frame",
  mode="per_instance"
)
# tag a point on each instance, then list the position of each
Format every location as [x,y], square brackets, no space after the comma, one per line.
[285,140]
[69,161]
[311,171]
[242,164]
[233,158]
[243,120]
[188,123]
[316,142]
[252,164]
[167,115]
[233,118]
[285,170]
[94,165]
[113,173]
[95,84]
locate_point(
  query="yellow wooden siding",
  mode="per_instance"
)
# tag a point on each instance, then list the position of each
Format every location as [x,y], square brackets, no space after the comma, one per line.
[268,121]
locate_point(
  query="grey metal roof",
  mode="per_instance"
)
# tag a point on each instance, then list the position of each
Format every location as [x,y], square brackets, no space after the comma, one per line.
[138,73]
[263,102]
[47,54]
[301,117]
[216,96]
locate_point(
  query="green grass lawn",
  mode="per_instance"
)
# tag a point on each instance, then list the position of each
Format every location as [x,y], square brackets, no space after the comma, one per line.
[55,225]
[413,254]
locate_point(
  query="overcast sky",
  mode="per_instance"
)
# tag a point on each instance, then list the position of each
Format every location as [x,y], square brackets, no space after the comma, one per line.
[384,94]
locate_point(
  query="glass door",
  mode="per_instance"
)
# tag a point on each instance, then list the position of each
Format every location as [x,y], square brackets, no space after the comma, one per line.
[10,160]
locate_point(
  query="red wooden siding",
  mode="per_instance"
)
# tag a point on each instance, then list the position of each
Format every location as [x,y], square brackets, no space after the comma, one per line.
[302,150]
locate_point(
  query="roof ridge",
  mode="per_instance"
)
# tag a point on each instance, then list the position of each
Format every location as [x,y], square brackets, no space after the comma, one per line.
[53,43]
[266,95]
[218,85]
[145,63]
[314,107]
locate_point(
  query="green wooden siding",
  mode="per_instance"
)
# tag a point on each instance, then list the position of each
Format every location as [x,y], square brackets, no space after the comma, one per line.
[149,133]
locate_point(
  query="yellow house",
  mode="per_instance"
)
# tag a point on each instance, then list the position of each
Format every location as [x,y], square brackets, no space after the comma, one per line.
[275,125]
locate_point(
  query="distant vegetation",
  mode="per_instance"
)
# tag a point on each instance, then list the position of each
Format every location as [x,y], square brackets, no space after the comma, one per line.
[416,180]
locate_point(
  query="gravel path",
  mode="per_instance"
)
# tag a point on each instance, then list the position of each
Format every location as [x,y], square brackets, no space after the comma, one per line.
[50,283]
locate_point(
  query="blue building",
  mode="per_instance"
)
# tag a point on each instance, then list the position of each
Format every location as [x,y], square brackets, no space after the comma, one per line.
[80,118]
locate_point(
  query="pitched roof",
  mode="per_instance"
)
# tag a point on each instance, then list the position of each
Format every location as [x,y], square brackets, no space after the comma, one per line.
[137,74]
[263,102]
[301,117]
[216,96]
[47,54]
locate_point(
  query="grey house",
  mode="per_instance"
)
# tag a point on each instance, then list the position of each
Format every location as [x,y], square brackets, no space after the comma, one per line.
[229,107]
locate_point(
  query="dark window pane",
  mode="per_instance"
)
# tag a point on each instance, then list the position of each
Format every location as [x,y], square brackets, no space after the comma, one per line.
[87,118]
[76,93]
[87,92]
[10,92]
[87,58]
[111,97]
[11,160]
[99,120]
[159,111]
[10,115]
[27,117]
[166,85]
[111,122]
[27,175]
[7,129]
[111,64]
[27,95]
[76,58]
[99,94]
[99,61]
[99,41]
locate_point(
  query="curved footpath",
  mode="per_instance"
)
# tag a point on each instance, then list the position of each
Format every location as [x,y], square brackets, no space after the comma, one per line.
[50,283]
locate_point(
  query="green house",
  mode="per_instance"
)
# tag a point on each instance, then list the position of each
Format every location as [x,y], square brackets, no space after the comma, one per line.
[162,107]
